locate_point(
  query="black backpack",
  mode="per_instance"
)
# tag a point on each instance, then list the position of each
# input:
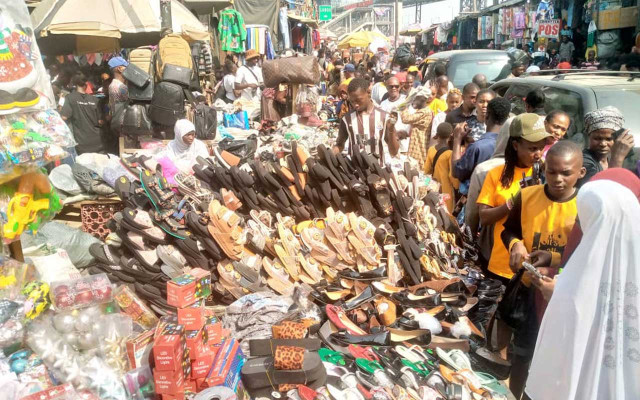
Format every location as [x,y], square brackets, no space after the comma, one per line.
[403,55]
[167,103]
[206,122]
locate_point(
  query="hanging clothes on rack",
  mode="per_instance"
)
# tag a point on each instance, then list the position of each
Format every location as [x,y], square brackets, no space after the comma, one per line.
[283,21]
[232,31]
[259,39]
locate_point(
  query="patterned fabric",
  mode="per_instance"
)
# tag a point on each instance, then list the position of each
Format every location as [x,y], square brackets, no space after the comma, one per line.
[420,122]
[604,118]
[232,31]
[288,358]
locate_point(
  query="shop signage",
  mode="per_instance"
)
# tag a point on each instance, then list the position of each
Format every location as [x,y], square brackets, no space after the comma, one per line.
[549,28]
[324,13]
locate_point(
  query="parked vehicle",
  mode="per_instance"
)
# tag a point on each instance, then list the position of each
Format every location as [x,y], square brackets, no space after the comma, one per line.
[578,93]
[462,65]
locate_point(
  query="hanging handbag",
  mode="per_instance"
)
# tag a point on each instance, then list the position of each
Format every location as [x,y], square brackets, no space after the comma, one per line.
[296,70]
[517,303]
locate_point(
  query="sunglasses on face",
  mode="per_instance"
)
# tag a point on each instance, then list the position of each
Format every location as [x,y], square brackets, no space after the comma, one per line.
[394,86]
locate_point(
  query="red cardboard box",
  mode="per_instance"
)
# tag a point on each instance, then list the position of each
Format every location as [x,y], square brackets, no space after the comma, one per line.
[168,382]
[139,349]
[190,386]
[213,333]
[201,366]
[61,392]
[181,291]
[168,352]
[222,364]
[192,317]
[195,344]
[188,288]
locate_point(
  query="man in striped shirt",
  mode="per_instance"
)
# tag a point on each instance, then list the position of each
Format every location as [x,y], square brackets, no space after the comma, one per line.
[367,128]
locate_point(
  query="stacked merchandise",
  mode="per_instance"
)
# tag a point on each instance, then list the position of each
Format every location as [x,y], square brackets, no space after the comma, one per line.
[160,88]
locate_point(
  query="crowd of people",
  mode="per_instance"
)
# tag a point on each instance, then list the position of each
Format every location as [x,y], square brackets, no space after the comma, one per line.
[530,197]
[521,189]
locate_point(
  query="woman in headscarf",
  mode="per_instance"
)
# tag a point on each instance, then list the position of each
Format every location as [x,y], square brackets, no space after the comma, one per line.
[606,148]
[588,346]
[185,148]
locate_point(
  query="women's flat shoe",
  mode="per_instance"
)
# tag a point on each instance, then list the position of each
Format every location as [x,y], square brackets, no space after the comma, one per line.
[375,339]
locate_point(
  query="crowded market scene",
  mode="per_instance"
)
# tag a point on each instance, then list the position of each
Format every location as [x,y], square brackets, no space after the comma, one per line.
[319,200]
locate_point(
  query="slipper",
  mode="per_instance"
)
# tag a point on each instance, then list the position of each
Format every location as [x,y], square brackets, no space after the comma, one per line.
[259,373]
[153,234]
[138,219]
[191,252]
[104,253]
[224,227]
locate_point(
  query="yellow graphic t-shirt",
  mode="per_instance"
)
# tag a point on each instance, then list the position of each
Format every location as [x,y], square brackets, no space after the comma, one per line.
[494,195]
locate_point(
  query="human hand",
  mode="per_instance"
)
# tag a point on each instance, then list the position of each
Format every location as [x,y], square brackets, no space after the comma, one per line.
[545,284]
[460,131]
[253,86]
[540,258]
[621,147]
[517,255]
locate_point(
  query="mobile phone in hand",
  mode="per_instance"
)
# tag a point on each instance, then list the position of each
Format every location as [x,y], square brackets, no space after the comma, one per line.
[532,269]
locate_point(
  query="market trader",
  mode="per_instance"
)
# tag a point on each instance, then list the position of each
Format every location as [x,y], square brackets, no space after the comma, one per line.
[249,77]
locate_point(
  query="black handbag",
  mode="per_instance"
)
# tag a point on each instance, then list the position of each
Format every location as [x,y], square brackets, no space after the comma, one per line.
[141,94]
[135,75]
[245,149]
[136,122]
[176,74]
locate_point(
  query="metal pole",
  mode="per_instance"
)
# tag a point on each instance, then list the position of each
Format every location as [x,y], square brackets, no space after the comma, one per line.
[396,23]
[165,15]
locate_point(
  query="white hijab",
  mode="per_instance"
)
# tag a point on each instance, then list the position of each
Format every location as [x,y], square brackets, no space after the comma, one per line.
[589,343]
[179,151]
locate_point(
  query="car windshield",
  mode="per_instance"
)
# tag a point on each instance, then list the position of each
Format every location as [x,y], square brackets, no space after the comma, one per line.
[626,100]
[461,72]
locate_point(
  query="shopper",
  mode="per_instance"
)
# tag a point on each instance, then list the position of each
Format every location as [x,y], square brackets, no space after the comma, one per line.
[394,97]
[527,139]
[468,106]
[439,70]
[352,130]
[249,77]
[481,81]
[379,88]
[517,69]
[591,63]
[438,164]
[454,100]
[566,49]
[589,333]
[539,223]
[407,85]
[534,102]
[349,73]
[118,90]
[420,121]
[462,165]
[605,150]
[83,115]
[557,124]
[228,82]
[476,124]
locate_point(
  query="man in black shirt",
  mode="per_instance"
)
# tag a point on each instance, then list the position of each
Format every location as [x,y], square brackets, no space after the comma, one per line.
[82,113]
[465,112]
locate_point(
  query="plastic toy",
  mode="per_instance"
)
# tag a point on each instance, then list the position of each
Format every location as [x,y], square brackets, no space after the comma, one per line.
[25,211]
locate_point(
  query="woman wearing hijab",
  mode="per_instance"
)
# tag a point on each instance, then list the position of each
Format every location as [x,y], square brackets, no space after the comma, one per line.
[588,346]
[185,148]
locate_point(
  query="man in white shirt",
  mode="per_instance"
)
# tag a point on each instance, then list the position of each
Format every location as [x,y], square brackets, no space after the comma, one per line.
[394,99]
[249,77]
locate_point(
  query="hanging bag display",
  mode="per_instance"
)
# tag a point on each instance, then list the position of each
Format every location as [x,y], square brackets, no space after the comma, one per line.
[167,104]
[135,75]
[177,74]
[205,121]
[173,50]
[296,70]
[237,120]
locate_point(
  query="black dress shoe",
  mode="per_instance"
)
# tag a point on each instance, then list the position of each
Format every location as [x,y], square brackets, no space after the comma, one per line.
[408,299]
[373,275]
[375,339]
[364,297]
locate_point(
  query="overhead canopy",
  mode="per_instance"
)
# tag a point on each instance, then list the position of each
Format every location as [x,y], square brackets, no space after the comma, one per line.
[412,30]
[361,39]
[207,6]
[65,26]
[307,21]
[259,12]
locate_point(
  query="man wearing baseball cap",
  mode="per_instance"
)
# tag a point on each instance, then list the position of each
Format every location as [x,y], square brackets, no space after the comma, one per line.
[118,90]
[349,74]
[249,77]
